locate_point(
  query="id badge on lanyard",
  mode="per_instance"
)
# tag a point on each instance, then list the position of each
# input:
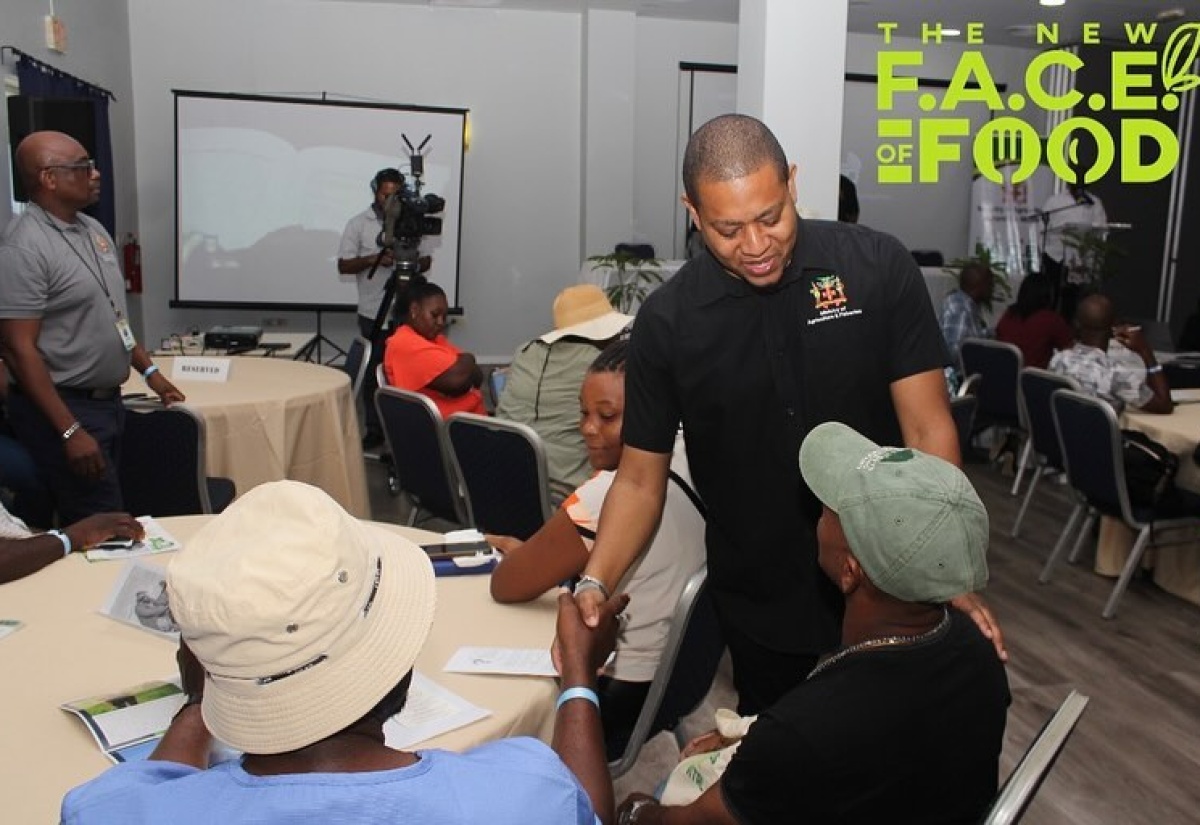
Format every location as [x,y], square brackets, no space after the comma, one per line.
[126,333]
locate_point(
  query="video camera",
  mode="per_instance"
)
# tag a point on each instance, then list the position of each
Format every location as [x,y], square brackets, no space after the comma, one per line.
[408,215]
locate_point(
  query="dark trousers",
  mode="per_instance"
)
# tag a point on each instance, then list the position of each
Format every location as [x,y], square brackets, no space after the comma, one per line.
[620,704]
[762,676]
[369,383]
[74,497]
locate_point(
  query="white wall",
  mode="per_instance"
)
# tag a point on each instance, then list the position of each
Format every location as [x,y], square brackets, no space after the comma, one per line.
[661,46]
[98,52]
[517,72]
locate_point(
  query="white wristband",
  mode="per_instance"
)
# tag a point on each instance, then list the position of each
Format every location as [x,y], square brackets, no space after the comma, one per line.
[64,538]
[150,370]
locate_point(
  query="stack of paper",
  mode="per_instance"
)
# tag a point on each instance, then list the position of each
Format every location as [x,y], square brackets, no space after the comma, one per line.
[128,725]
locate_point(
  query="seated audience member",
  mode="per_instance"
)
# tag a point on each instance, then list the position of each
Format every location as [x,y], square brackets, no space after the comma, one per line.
[30,499]
[22,551]
[1032,325]
[962,309]
[559,551]
[904,722]
[419,357]
[847,200]
[299,629]
[1118,380]
[543,383]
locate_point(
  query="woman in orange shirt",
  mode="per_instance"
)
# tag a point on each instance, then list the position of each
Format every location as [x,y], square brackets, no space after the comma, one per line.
[418,357]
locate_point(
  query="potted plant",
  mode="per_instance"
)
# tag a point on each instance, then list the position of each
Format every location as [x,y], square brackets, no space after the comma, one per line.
[1095,256]
[629,278]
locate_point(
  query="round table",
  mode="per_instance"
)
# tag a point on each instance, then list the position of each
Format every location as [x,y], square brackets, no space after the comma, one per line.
[276,419]
[67,650]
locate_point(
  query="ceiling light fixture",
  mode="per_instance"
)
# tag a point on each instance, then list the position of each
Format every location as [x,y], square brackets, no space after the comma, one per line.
[951,32]
[1052,2]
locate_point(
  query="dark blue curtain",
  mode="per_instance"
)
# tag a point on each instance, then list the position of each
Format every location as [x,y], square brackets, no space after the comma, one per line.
[39,80]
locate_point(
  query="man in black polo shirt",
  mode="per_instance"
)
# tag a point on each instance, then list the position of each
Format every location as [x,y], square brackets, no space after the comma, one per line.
[781,325]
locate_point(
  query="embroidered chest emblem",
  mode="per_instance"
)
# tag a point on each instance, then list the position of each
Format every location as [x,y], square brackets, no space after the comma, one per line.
[101,244]
[828,292]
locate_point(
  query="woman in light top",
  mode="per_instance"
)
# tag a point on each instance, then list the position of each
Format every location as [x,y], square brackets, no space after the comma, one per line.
[559,551]
[420,358]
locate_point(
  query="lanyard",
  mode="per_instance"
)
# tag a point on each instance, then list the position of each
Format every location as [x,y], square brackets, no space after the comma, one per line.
[97,273]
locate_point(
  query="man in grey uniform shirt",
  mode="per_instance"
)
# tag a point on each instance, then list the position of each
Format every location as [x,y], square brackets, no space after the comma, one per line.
[64,329]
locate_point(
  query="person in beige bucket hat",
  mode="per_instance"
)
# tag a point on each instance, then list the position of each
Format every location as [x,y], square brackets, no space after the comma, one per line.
[542,384]
[905,721]
[300,627]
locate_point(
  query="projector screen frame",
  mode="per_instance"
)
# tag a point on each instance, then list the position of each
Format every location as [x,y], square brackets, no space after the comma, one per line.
[191,303]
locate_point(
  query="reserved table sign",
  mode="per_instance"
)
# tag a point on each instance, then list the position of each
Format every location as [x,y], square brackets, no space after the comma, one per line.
[197,368]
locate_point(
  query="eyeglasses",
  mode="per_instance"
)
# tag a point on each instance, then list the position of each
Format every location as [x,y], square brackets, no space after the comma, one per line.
[78,166]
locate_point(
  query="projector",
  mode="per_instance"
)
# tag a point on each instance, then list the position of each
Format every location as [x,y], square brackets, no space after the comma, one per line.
[232,337]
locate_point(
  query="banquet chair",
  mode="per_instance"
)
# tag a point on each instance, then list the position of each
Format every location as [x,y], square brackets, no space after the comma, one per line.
[685,672]
[381,377]
[1091,449]
[1037,385]
[962,410]
[1035,765]
[162,465]
[502,465]
[355,365]
[421,468]
[999,366]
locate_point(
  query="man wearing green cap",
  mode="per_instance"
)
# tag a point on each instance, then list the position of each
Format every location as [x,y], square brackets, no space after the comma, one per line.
[905,721]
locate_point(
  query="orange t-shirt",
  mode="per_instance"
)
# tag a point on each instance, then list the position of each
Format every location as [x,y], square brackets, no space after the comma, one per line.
[412,361]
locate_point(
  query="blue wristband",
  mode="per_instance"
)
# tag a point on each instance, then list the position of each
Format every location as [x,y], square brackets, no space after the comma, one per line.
[150,370]
[578,693]
[64,538]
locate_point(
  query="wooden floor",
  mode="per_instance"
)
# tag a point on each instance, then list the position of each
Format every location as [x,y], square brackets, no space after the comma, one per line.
[1135,756]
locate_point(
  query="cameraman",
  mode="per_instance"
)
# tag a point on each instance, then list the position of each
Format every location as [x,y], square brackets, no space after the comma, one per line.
[358,253]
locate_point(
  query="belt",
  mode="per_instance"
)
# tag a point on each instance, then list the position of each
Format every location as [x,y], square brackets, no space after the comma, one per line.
[102,394]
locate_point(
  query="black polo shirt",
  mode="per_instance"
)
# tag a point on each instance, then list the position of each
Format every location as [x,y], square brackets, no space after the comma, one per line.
[749,372]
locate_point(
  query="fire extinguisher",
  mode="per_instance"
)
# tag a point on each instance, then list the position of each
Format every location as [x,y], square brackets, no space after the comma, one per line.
[133,264]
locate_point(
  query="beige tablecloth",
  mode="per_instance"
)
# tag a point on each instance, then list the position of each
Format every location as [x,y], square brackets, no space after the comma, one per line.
[67,650]
[1176,565]
[277,419]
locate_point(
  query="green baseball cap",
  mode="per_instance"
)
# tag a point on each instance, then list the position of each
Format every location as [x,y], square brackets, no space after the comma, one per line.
[913,521]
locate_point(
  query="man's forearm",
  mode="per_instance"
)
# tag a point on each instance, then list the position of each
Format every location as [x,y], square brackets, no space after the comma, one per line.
[579,742]
[628,519]
[20,557]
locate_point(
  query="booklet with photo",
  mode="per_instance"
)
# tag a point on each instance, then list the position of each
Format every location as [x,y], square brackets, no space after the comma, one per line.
[156,540]
[139,598]
[128,725]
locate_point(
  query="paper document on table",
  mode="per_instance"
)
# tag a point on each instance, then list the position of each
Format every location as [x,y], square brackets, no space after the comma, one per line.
[506,661]
[121,722]
[1186,396]
[430,711]
[8,626]
[139,598]
[156,540]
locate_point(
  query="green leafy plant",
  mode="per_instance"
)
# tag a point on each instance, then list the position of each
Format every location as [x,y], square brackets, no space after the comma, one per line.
[633,278]
[1001,286]
[1096,257]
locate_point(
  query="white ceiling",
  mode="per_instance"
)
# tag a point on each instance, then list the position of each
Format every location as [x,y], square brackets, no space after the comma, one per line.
[996,15]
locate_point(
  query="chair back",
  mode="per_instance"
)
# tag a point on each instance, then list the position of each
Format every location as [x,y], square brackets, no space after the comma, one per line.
[1090,441]
[162,468]
[999,366]
[1035,765]
[962,410]
[381,377]
[355,365]
[685,671]
[1037,385]
[416,439]
[502,465]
